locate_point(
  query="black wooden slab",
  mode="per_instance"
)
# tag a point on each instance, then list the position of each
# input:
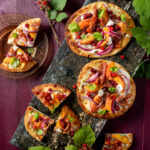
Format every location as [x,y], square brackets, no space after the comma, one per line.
[64,70]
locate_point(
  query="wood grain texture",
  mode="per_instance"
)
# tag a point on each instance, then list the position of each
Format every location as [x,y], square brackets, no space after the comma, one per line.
[15,95]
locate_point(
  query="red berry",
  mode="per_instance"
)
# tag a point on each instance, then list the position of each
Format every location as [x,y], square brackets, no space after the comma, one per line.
[117,28]
[27,25]
[78,36]
[39,2]
[98,29]
[113,97]
[111,28]
[110,11]
[31,39]
[113,74]
[93,70]
[49,89]
[112,82]
[45,3]
[102,48]
[88,94]
[94,44]
[112,16]
[84,145]
[74,86]
[122,56]
[118,18]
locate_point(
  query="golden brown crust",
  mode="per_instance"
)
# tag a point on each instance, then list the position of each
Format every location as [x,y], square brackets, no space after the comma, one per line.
[71,43]
[79,94]
[27,123]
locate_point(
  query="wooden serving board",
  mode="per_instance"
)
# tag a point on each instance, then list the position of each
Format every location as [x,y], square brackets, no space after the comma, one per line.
[64,70]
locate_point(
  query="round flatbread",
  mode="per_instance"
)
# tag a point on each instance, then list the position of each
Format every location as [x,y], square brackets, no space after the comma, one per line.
[98,30]
[105,89]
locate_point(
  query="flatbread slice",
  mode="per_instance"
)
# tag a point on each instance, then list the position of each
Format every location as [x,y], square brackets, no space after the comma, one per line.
[99,29]
[51,95]
[105,89]
[25,34]
[36,123]
[68,122]
[117,141]
[17,60]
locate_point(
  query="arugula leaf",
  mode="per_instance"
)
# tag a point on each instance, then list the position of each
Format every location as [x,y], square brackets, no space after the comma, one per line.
[97,36]
[83,36]
[100,13]
[84,135]
[61,16]
[123,17]
[142,37]
[52,14]
[39,148]
[71,147]
[142,7]
[102,112]
[58,4]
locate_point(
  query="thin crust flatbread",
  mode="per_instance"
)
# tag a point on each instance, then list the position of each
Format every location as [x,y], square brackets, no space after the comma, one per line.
[51,95]
[25,34]
[68,122]
[121,141]
[71,36]
[122,98]
[29,126]
[25,61]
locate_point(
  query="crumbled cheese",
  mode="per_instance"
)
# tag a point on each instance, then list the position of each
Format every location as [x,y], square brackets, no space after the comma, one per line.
[119,88]
[109,41]
[58,130]
[10,66]
[19,53]
[15,47]
[82,17]
[127,35]
[110,23]
[100,93]
[10,40]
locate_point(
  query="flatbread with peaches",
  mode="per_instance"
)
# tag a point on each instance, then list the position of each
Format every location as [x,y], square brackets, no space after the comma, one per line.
[105,89]
[98,30]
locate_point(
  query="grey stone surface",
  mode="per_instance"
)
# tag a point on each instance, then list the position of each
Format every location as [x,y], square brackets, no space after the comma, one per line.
[64,70]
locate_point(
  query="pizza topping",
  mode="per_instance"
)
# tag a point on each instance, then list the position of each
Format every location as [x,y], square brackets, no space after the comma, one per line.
[97,36]
[40,132]
[15,35]
[36,115]
[74,27]
[14,62]
[93,77]
[30,50]
[102,112]
[123,17]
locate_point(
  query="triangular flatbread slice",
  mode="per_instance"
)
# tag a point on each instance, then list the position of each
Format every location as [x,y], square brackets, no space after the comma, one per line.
[120,141]
[68,122]
[36,123]
[17,60]
[25,34]
[51,95]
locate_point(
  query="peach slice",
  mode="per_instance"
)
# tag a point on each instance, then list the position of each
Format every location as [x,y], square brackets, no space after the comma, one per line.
[108,72]
[118,79]
[123,27]
[84,23]
[88,40]
[108,104]
[106,29]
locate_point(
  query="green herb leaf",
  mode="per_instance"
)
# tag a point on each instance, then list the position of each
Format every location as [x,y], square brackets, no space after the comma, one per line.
[112,89]
[142,37]
[100,13]
[83,36]
[97,36]
[58,4]
[39,148]
[30,50]
[123,17]
[71,147]
[74,27]
[14,62]
[36,115]
[53,110]
[142,7]
[145,22]
[102,112]
[113,69]
[92,87]
[70,118]
[84,135]
[52,14]
[39,132]
[15,35]
[61,16]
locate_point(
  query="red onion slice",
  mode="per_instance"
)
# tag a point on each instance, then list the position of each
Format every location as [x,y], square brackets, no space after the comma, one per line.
[99,44]
[93,77]
[107,50]
[88,98]
[30,31]
[85,49]
[114,34]
[128,82]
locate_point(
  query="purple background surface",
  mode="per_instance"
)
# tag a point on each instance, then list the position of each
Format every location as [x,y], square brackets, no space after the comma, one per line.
[15,95]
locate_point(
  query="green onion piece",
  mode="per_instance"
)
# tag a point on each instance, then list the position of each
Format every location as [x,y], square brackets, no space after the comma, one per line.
[83,36]
[113,69]
[97,36]
[36,115]
[123,17]
[74,27]
[102,112]
[15,35]
[30,50]
[14,62]
[100,13]
[112,89]
[39,132]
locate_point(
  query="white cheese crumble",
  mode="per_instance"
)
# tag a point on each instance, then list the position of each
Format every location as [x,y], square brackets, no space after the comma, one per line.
[10,66]
[127,35]
[100,93]
[15,47]
[109,41]
[19,53]
[119,88]
[10,40]
[110,23]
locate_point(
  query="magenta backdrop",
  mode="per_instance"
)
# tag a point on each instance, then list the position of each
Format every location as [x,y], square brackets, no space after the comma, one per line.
[15,95]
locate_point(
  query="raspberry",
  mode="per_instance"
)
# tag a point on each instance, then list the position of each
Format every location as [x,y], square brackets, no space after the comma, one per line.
[74,86]
[122,56]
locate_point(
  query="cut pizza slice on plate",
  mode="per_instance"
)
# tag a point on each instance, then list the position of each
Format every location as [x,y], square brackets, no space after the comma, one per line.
[25,34]
[117,141]
[36,123]
[51,95]
[68,122]
[17,60]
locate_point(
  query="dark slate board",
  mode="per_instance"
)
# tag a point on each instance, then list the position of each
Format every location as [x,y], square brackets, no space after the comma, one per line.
[64,70]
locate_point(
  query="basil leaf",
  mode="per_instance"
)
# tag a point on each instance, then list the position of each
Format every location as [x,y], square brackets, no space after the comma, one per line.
[39,132]
[113,69]
[53,110]
[74,27]
[15,35]
[52,14]
[71,147]
[83,36]
[97,36]
[102,112]
[39,148]
[58,4]
[92,87]
[61,16]
[100,13]
[30,50]
[14,62]
[84,135]
[36,115]
[112,89]
[123,17]
[70,118]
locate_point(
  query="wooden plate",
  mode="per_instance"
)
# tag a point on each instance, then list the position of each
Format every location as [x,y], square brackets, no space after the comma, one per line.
[7,24]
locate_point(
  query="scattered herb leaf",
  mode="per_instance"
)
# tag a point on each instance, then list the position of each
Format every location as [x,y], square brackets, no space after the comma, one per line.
[102,112]
[58,4]
[71,147]
[15,35]
[39,132]
[36,115]
[14,62]
[97,36]
[30,50]
[61,16]
[83,36]
[74,27]
[100,13]
[52,14]
[123,17]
